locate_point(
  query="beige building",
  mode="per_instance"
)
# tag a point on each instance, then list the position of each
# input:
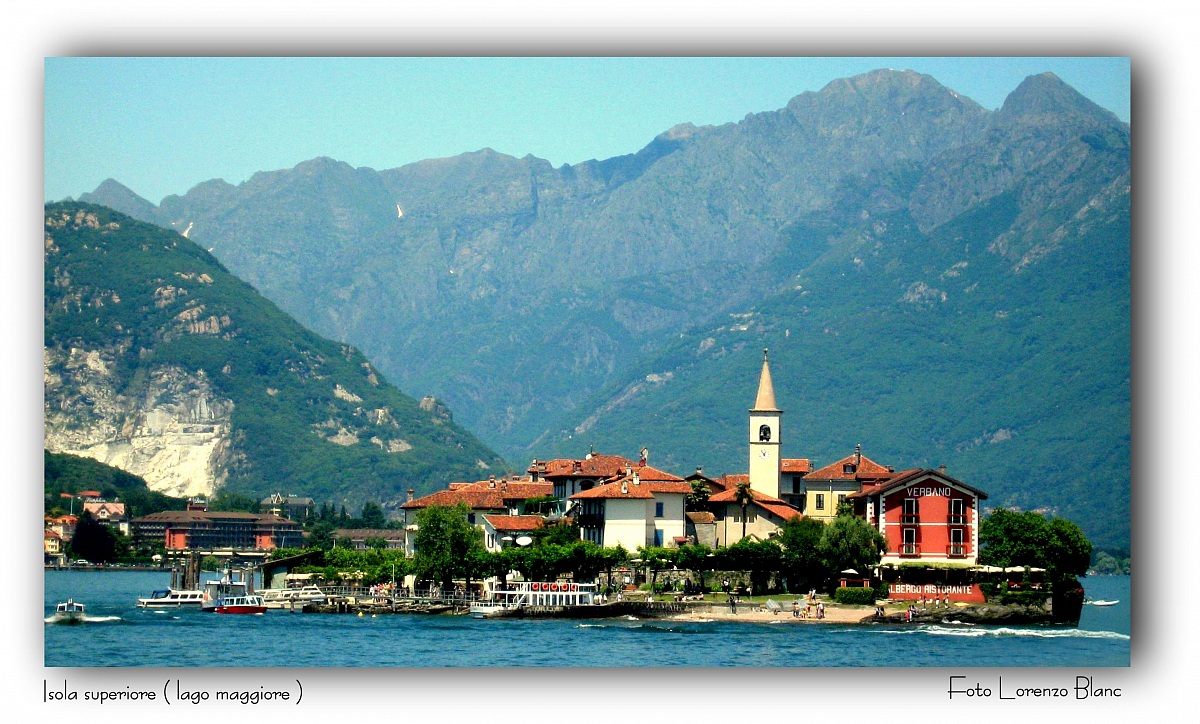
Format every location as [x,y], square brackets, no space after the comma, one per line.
[632,512]
[827,488]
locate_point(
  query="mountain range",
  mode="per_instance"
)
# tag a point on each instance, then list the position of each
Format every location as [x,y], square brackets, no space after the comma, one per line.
[941,283]
[160,362]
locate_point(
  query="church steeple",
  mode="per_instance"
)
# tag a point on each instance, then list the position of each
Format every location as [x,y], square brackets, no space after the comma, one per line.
[765,401]
[765,419]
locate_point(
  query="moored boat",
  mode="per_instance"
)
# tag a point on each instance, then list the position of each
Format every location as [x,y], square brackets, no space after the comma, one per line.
[536,595]
[172,598]
[251,603]
[292,597]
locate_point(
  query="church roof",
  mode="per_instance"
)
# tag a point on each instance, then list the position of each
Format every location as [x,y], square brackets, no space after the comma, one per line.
[765,401]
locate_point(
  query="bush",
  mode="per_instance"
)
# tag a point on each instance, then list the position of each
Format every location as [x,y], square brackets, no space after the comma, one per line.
[855,596]
[882,588]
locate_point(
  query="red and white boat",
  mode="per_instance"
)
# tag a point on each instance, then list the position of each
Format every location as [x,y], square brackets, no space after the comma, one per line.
[240,604]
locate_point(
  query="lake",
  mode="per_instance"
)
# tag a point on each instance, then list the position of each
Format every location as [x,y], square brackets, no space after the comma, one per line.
[117,633]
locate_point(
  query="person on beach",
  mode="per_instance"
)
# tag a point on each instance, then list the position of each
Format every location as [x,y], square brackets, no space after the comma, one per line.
[732,604]
[796,609]
[821,610]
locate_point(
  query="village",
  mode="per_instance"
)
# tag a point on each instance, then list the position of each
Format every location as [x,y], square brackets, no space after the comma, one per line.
[922,546]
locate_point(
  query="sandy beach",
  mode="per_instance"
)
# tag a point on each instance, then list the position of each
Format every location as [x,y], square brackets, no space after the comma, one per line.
[756,614]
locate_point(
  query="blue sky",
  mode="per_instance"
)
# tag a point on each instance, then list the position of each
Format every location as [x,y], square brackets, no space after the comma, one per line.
[162,125]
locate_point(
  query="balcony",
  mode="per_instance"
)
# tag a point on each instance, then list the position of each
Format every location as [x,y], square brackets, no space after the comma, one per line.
[910,519]
[957,519]
[909,549]
[956,550]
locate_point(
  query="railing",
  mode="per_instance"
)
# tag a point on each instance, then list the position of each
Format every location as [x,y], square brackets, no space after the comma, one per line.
[956,550]
[908,549]
[957,519]
[907,519]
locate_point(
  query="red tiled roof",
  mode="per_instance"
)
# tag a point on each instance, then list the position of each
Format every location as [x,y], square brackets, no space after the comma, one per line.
[613,490]
[597,466]
[866,469]
[796,465]
[658,487]
[512,489]
[729,482]
[762,500]
[474,499]
[52,534]
[515,523]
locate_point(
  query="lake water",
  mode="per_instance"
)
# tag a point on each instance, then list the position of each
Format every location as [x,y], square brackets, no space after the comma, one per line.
[117,633]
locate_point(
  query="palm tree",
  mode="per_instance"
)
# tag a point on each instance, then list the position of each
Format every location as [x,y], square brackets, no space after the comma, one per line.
[743,497]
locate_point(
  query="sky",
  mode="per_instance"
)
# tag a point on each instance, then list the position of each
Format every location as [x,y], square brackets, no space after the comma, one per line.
[162,125]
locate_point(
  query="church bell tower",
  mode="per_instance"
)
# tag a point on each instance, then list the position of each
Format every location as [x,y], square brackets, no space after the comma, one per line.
[765,418]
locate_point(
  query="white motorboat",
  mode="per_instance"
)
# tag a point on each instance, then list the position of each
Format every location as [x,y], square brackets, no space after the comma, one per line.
[292,597]
[172,598]
[1103,603]
[68,612]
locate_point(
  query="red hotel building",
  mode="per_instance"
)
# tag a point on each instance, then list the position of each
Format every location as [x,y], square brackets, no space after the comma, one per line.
[925,515]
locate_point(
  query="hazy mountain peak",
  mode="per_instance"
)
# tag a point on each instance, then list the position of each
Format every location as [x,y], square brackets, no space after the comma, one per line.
[116,195]
[1046,94]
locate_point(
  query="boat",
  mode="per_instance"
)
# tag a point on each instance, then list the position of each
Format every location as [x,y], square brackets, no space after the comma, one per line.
[231,583]
[172,598]
[251,603]
[292,597]
[68,612]
[1103,603]
[536,595]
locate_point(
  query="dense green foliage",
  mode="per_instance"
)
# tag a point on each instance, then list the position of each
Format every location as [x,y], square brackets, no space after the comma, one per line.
[149,300]
[1010,538]
[856,596]
[850,543]
[71,474]
[93,541]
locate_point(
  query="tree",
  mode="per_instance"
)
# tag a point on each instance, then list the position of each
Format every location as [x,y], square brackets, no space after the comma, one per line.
[743,497]
[697,500]
[698,559]
[93,540]
[850,542]
[444,541]
[321,537]
[1010,538]
[372,515]
[801,565]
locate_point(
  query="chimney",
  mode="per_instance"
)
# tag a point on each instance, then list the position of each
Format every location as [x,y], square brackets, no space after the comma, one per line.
[628,469]
[410,495]
[577,466]
[636,479]
[645,457]
[699,470]
[624,488]
[504,485]
[858,455]
[492,482]
[942,468]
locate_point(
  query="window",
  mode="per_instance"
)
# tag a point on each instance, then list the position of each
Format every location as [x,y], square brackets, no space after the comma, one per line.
[658,537]
[956,542]
[820,501]
[658,510]
[795,486]
[841,499]
[958,511]
[848,468]
[764,433]
[912,511]
[471,518]
[910,542]
[491,541]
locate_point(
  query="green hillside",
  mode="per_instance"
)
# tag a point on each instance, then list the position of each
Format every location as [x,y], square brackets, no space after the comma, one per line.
[309,416]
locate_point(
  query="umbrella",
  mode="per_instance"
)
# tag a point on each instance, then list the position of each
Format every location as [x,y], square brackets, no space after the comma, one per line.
[851,571]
